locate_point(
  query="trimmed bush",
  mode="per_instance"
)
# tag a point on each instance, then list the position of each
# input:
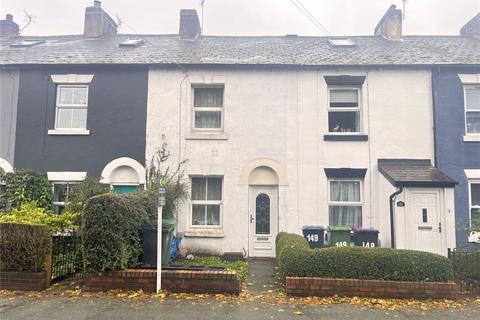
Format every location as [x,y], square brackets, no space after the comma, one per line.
[110,230]
[360,263]
[23,247]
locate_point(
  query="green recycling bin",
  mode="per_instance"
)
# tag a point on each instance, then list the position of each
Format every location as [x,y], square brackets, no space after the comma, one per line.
[339,236]
[149,242]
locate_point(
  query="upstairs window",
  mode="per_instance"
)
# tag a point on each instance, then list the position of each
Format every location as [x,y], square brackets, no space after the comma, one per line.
[71,107]
[206,201]
[472,109]
[344,110]
[345,202]
[208,108]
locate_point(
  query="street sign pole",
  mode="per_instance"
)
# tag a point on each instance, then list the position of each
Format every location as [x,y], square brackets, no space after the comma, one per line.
[159,249]
[161,203]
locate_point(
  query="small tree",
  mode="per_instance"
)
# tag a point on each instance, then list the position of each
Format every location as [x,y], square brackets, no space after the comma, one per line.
[82,191]
[22,186]
[176,188]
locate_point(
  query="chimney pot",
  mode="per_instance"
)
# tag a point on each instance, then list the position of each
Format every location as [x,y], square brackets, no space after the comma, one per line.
[390,26]
[472,28]
[189,25]
[98,22]
[8,28]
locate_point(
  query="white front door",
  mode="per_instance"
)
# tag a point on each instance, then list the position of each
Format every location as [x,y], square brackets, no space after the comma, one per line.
[424,221]
[263,220]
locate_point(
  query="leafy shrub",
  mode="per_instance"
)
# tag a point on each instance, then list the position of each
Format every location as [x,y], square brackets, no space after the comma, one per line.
[81,192]
[176,187]
[30,213]
[240,267]
[110,231]
[360,263]
[23,247]
[25,186]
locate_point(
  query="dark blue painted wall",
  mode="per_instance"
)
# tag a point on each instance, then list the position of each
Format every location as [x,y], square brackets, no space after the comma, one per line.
[117,107]
[453,155]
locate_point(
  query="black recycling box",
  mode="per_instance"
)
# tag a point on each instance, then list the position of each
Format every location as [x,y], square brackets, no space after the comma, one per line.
[315,236]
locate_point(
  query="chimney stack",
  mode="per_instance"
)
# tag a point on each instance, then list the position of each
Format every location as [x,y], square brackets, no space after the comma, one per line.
[189,25]
[98,22]
[472,28]
[390,26]
[8,28]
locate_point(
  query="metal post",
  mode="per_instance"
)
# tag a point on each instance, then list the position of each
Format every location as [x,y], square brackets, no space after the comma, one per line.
[159,249]
[161,202]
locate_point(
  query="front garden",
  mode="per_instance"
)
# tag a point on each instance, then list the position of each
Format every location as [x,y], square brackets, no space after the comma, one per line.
[359,271]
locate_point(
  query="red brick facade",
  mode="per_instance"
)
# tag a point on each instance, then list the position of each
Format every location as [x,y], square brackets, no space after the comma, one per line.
[23,281]
[172,280]
[306,286]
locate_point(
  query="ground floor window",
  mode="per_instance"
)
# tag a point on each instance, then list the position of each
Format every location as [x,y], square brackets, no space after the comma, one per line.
[206,201]
[474,188]
[345,202]
[61,192]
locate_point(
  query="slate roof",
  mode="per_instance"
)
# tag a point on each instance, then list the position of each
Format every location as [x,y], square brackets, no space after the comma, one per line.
[413,173]
[226,50]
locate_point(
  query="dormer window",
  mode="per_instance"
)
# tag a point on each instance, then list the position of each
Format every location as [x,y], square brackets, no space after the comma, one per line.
[26,43]
[131,43]
[341,42]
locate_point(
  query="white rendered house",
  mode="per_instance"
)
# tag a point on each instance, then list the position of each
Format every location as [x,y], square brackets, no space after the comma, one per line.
[264,156]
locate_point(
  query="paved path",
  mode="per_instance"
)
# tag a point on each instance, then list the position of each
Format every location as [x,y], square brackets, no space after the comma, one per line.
[262,276]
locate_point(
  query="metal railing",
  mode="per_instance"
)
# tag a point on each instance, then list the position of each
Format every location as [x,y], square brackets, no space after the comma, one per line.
[466,265]
[66,256]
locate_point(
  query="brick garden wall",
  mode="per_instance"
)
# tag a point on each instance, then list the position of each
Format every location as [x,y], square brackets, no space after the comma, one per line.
[310,286]
[23,281]
[172,280]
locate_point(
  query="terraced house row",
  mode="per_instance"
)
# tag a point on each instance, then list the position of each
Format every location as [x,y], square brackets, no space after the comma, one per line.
[378,131]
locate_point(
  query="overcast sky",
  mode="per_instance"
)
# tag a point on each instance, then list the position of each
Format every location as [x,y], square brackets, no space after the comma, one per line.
[246,17]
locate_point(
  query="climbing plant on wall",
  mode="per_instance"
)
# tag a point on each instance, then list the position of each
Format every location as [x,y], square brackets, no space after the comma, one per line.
[22,186]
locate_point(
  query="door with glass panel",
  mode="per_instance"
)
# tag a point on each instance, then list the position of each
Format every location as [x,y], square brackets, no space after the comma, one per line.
[424,221]
[263,220]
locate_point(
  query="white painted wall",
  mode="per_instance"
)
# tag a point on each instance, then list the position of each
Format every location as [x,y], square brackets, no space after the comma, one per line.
[282,115]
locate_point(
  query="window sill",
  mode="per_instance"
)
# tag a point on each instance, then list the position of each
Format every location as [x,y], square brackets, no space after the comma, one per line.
[471,138]
[474,237]
[61,132]
[345,137]
[207,136]
[204,233]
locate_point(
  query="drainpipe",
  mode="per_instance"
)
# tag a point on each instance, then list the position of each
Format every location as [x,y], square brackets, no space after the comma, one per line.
[392,224]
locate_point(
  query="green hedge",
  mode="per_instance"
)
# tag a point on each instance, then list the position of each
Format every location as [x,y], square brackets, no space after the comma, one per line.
[295,259]
[111,231]
[25,186]
[23,247]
